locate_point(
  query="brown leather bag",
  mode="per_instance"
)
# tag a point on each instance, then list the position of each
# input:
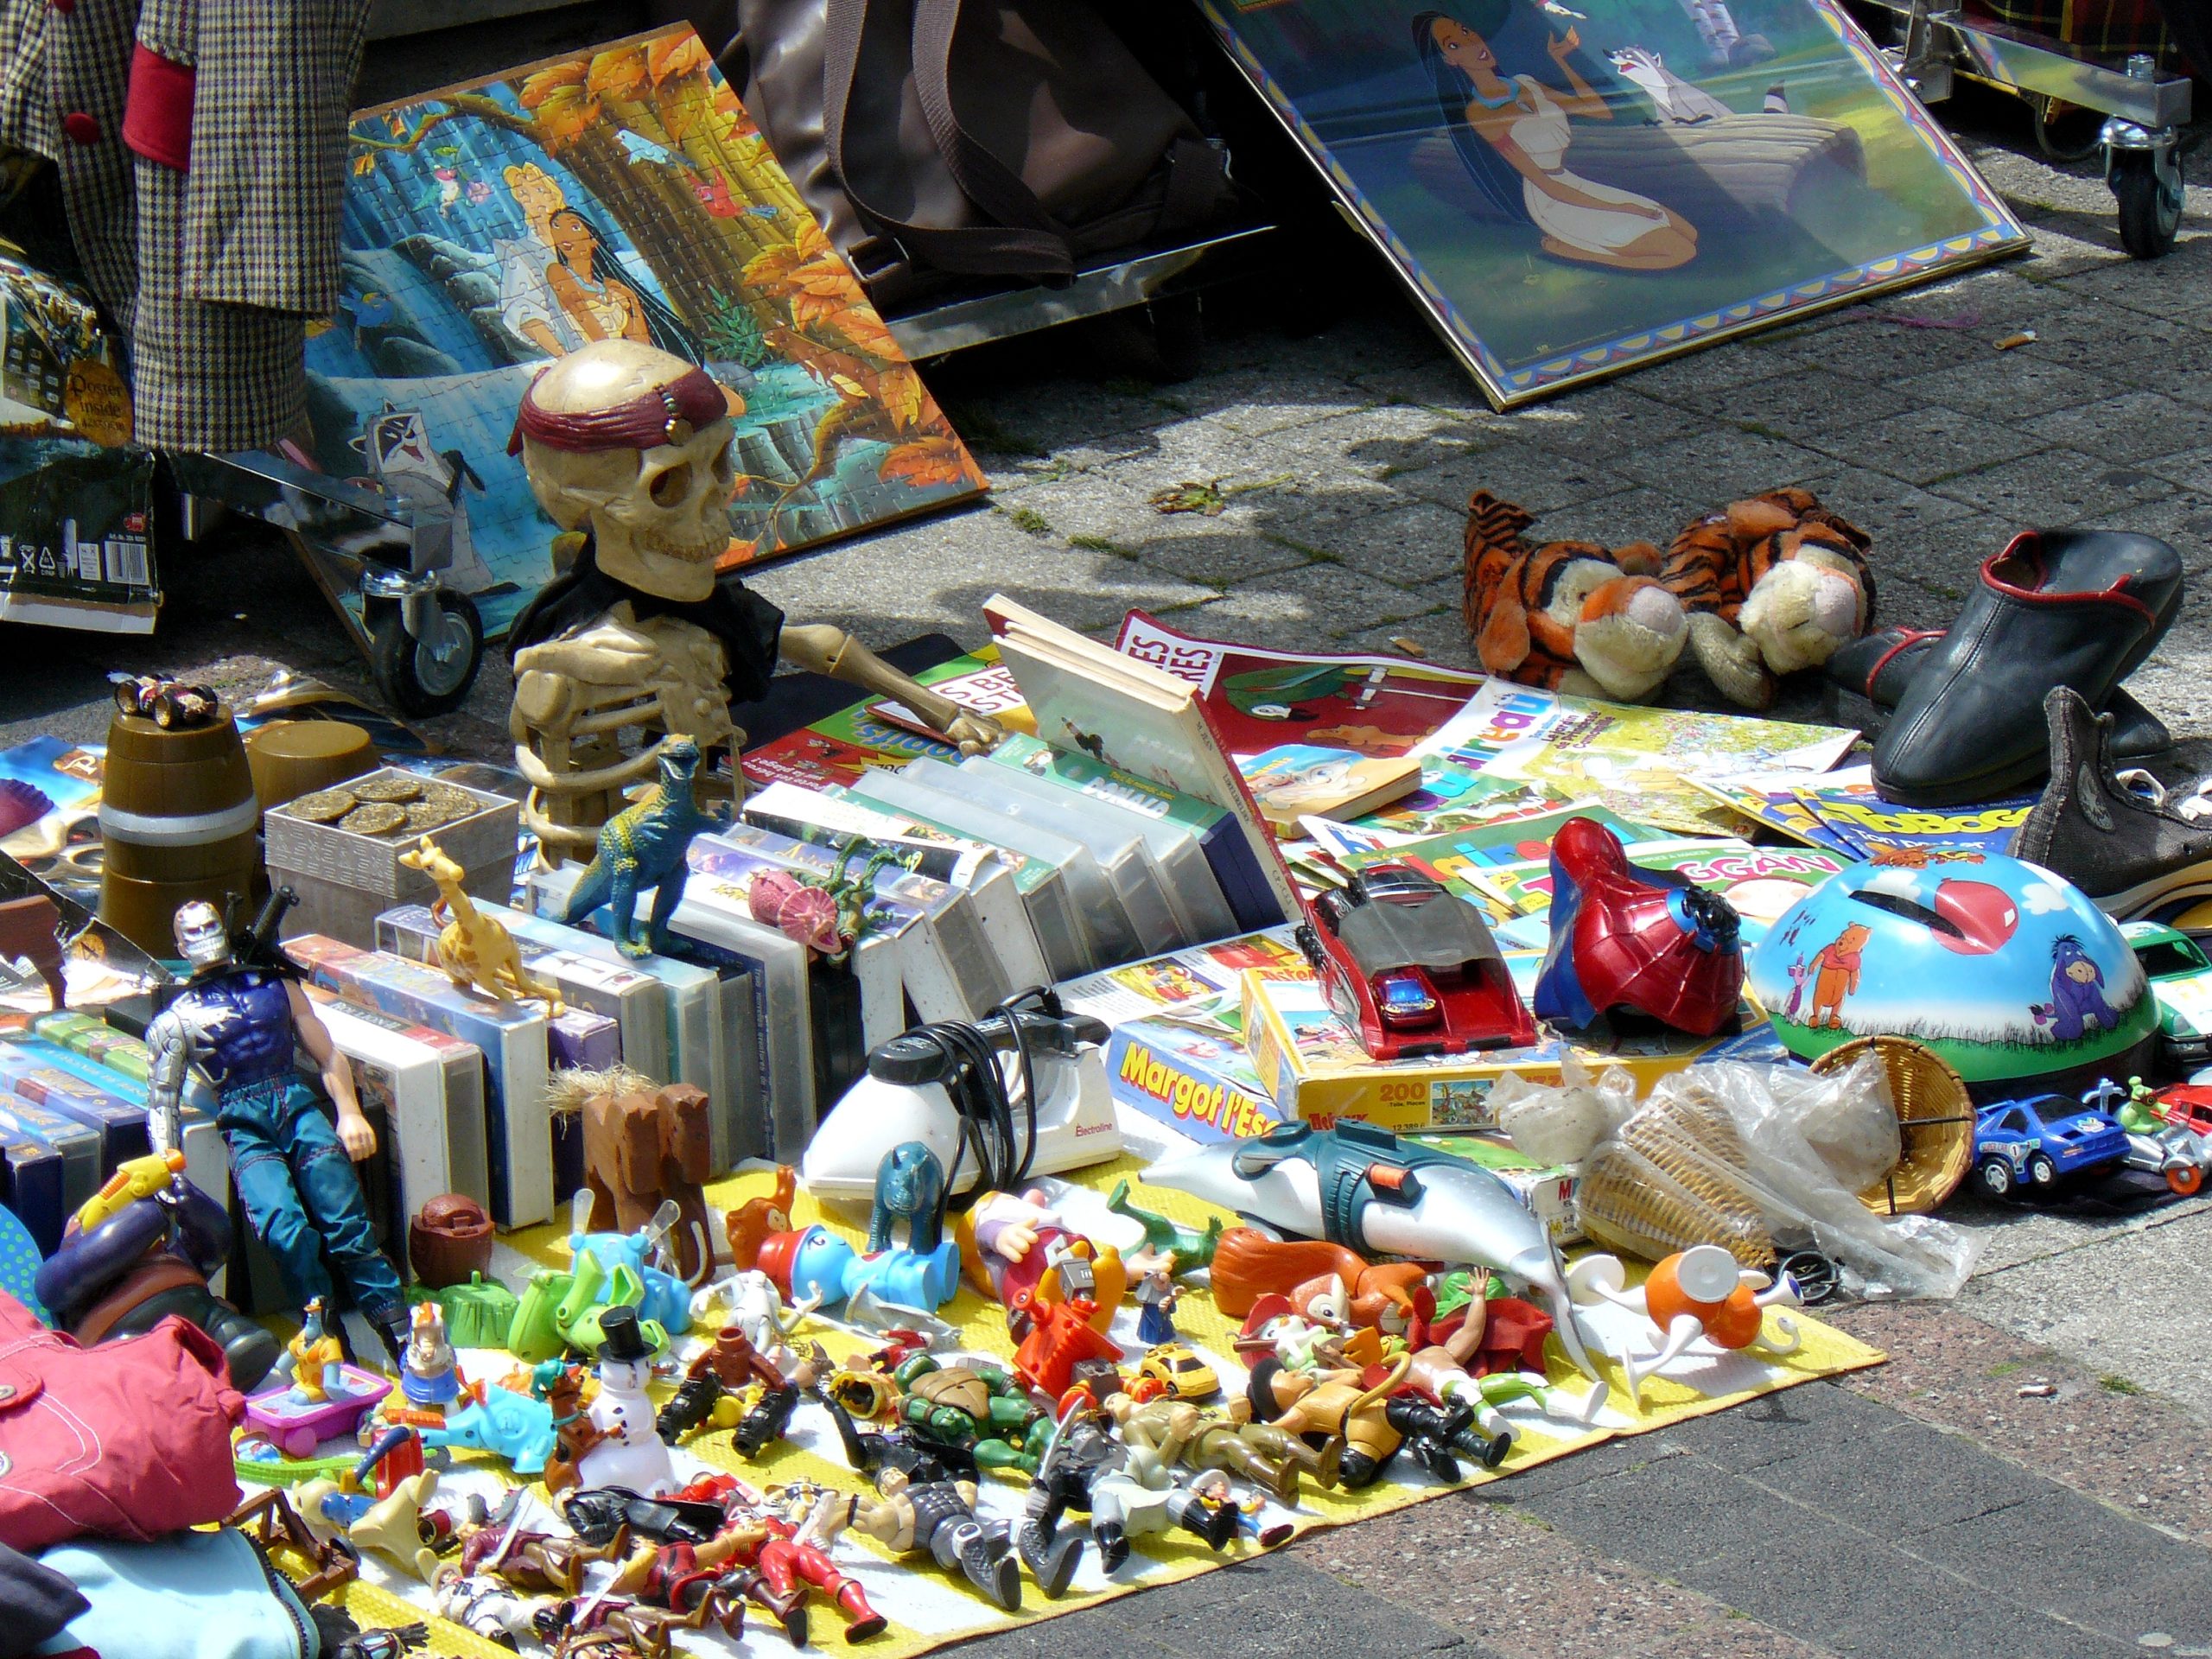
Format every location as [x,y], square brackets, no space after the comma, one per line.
[1010,138]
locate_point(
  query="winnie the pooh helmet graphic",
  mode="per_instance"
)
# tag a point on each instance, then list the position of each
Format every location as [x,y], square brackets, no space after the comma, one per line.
[2009,973]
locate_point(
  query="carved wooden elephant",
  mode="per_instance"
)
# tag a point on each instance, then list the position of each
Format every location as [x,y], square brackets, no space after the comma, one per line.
[640,1150]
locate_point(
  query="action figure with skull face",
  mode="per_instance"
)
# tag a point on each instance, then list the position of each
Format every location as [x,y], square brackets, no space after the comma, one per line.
[640,640]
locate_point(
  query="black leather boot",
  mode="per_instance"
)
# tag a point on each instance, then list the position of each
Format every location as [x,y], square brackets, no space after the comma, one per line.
[2080,608]
[1868,677]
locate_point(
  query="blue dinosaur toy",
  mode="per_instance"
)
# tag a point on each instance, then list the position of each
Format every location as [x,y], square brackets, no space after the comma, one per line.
[642,847]
[516,1427]
[909,1182]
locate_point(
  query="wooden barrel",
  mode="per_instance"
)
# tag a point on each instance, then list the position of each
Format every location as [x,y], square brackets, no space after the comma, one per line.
[177,820]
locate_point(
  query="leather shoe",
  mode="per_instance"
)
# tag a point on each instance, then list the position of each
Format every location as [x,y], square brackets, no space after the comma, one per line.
[2129,850]
[2080,608]
[1873,671]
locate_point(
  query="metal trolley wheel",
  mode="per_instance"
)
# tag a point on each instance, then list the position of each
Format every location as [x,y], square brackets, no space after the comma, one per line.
[430,669]
[2147,187]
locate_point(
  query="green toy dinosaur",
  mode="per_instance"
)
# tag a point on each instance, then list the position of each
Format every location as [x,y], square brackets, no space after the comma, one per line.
[643,846]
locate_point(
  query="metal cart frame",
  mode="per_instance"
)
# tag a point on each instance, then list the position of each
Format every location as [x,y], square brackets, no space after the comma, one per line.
[2143,109]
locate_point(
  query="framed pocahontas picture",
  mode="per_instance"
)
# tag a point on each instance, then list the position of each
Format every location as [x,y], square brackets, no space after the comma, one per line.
[1574,186]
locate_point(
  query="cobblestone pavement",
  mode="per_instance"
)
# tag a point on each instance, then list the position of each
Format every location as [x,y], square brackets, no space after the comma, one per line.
[1927,1507]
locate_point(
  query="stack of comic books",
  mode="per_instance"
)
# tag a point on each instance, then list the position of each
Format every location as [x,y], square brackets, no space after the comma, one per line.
[1841,812]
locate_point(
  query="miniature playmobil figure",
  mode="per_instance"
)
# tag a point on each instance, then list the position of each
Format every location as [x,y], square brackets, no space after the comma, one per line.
[1126,1490]
[312,1359]
[1157,1293]
[239,1020]
[628,1451]
[484,1607]
[639,638]
[477,953]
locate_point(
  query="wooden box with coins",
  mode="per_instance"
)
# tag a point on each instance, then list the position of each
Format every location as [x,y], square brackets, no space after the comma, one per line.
[339,848]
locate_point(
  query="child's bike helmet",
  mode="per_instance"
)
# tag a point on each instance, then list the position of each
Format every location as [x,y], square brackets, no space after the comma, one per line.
[2006,970]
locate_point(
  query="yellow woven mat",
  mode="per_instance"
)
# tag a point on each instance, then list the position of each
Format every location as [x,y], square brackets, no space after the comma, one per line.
[927,1610]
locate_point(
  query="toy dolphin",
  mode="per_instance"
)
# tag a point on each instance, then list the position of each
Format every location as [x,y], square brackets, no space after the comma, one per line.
[1366,1189]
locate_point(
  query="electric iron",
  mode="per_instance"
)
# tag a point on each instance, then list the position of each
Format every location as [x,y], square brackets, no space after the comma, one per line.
[1021,1092]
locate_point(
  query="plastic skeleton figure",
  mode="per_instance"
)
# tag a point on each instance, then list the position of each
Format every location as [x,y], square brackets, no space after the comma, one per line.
[238,1024]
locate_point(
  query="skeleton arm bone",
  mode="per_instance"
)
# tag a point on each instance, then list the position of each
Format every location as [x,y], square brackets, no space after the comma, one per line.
[825,649]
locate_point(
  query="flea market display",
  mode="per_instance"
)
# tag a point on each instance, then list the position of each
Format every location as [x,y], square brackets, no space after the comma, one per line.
[1084,1113]
[966,1158]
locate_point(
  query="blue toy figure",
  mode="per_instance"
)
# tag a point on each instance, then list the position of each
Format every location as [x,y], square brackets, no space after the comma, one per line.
[1156,1294]
[238,1020]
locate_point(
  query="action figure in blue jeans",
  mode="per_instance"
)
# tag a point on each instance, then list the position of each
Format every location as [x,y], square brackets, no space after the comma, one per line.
[238,1020]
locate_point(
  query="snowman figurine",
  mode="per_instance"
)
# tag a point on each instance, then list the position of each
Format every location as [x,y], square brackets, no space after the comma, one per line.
[626,1451]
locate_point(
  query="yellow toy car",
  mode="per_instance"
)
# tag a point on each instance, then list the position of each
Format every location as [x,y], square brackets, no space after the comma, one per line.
[1180,1374]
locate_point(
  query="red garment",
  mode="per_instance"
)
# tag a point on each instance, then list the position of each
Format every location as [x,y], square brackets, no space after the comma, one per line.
[1513,1340]
[130,1439]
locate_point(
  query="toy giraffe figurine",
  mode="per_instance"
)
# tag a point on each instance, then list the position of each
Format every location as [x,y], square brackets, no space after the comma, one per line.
[473,949]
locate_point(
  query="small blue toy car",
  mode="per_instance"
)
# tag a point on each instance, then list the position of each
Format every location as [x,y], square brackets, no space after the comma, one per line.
[2031,1143]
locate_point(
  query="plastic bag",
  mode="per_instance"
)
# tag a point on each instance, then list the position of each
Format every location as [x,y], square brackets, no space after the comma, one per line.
[1746,1156]
[1559,1125]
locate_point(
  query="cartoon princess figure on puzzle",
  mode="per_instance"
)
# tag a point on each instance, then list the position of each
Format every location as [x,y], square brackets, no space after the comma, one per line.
[1513,136]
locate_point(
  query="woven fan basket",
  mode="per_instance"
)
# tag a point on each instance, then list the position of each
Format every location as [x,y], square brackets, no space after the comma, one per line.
[1658,1186]
[1934,1124]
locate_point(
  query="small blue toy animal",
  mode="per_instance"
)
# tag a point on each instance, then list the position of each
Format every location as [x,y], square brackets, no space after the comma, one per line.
[516,1427]
[909,1182]
[642,847]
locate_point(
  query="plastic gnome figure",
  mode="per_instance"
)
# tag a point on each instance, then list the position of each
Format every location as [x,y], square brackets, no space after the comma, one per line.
[627,1450]
[630,449]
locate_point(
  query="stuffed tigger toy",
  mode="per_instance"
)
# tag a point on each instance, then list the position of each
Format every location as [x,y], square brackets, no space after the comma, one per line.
[1568,616]
[1770,585]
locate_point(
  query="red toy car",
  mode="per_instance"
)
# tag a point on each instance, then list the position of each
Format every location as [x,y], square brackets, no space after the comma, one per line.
[1411,968]
[2186,1106]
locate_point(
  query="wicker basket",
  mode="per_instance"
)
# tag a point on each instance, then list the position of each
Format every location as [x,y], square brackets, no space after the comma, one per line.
[1652,1189]
[1936,1122]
